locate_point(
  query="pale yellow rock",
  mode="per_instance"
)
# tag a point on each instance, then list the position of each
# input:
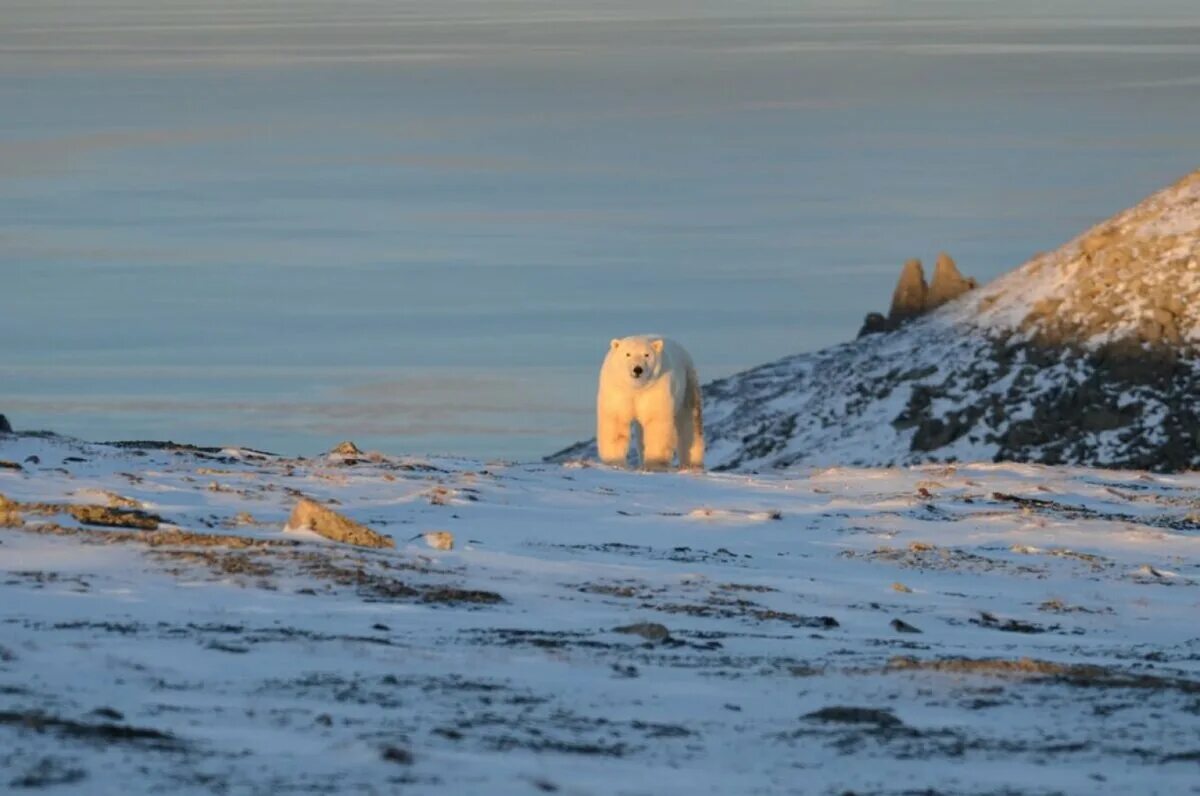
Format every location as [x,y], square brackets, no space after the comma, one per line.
[440,540]
[312,516]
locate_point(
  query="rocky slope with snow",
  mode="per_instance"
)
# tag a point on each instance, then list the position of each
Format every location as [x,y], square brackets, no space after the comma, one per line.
[582,630]
[1086,355]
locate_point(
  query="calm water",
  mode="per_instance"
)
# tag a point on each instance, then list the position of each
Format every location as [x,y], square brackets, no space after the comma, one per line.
[417,225]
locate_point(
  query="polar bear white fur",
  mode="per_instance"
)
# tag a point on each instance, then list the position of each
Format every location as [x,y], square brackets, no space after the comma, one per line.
[650,380]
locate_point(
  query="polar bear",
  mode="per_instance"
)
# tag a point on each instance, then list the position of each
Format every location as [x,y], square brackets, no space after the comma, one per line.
[651,380]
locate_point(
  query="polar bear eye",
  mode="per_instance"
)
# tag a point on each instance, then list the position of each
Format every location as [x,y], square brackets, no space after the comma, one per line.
[628,354]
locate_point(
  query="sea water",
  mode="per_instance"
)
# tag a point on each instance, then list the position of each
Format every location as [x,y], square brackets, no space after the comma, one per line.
[418,224]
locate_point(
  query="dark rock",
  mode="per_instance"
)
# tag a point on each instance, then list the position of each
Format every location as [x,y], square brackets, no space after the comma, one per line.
[876,323]
[651,631]
[395,754]
[5,428]
[853,715]
[900,626]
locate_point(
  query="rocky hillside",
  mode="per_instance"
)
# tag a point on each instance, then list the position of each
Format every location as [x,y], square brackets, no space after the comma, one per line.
[1086,355]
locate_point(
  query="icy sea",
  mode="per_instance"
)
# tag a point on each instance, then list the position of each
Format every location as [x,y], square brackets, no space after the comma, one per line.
[418,224]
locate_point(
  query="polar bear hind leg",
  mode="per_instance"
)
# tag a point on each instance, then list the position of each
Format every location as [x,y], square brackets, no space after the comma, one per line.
[691,426]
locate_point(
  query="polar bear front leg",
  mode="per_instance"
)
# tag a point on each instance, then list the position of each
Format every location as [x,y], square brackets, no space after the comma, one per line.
[659,441]
[612,439]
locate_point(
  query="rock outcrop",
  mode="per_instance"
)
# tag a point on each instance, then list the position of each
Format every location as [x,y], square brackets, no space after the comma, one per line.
[947,285]
[309,515]
[5,428]
[908,299]
[913,297]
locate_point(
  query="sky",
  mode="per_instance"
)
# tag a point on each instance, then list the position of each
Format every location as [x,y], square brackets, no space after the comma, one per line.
[417,225]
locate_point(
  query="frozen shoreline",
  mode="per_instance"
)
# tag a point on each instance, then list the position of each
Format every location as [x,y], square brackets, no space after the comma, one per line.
[282,663]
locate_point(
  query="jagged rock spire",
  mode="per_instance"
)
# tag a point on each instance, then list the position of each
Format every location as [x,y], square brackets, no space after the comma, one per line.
[908,300]
[947,285]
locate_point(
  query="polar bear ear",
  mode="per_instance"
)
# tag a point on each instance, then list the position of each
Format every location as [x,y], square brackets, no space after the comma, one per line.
[616,342]
[657,346]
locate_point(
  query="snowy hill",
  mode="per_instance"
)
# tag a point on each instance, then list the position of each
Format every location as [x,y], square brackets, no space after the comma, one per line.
[976,629]
[1087,355]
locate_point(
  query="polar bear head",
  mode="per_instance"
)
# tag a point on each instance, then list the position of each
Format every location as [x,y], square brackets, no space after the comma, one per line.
[639,358]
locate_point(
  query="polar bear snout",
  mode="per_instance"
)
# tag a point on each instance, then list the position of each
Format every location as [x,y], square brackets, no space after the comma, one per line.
[637,371]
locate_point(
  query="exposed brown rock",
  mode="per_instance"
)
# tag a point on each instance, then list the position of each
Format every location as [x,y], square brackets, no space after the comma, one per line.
[947,284]
[88,514]
[163,538]
[913,297]
[117,518]
[908,299]
[346,448]
[312,516]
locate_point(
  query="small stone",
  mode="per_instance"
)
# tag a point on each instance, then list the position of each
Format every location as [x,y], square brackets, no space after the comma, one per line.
[651,631]
[900,626]
[32,460]
[346,448]
[312,516]
[439,540]
[900,587]
[395,754]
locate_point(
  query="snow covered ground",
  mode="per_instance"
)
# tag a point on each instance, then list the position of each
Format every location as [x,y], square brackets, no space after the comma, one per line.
[954,629]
